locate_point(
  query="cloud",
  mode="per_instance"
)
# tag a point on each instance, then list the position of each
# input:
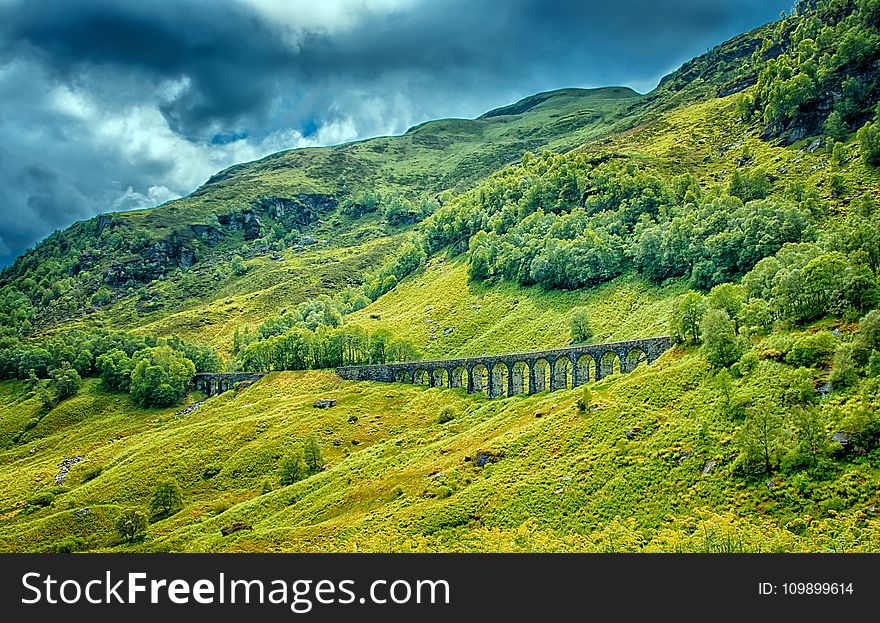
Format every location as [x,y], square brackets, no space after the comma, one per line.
[110,104]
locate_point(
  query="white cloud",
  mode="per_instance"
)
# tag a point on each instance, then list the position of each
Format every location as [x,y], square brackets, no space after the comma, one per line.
[329,16]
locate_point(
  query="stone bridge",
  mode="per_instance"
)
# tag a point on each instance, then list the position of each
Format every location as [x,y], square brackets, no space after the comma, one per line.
[518,373]
[213,383]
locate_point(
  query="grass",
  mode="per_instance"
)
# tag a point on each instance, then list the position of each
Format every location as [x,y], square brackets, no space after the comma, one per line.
[397,480]
[505,317]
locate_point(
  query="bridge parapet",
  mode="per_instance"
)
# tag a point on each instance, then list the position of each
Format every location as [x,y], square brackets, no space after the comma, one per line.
[514,373]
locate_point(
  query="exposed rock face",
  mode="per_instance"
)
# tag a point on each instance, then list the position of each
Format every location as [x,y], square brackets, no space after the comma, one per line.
[301,209]
[157,259]
[208,234]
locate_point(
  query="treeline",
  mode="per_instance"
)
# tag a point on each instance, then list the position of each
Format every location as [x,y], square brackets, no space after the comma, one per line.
[325,347]
[566,222]
[156,371]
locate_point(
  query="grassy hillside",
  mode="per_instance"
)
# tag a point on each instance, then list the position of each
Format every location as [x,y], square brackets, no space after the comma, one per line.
[724,208]
[648,468]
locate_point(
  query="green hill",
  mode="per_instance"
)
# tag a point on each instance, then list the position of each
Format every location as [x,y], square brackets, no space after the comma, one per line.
[733,207]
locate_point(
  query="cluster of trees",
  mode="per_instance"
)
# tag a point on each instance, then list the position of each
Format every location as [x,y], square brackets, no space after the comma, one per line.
[800,283]
[830,47]
[156,371]
[326,346]
[566,222]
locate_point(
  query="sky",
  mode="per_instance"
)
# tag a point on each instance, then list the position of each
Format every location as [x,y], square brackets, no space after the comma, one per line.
[110,105]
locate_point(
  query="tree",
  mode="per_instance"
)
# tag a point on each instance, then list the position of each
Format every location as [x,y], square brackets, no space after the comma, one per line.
[160,377]
[312,455]
[581,332]
[115,368]
[131,525]
[167,499]
[64,381]
[869,329]
[292,469]
[687,314]
[728,297]
[756,316]
[760,439]
[836,127]
[869,143]
[721,347]
[585,399]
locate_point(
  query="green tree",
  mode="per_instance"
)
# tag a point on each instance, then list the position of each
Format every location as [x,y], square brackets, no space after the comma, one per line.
[312,456]
[836,127]
[292,469]
[869,143]
[687,314]
[869,329]
[760,439]
[115,368]
[160,377]
[131,525]
[728,297]
[721,346]
[756,316]
[64,381]
[167,499]
[585,399]
[579,324]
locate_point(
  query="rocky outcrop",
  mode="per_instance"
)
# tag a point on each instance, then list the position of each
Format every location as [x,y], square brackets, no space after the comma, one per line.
[154,261]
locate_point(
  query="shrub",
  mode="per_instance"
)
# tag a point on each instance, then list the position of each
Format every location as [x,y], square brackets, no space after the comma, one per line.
[581,332]
[585,399]
[68,545]
[91,473]
[810,350]
[443,492]
[211,470]
[869,143]
[41,499]
[167,499]
[131,525]
[219,507]
[292,469]
[447,414]
[312,456]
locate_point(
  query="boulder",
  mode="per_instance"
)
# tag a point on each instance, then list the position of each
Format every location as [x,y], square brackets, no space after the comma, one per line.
[236,527]
[324,403]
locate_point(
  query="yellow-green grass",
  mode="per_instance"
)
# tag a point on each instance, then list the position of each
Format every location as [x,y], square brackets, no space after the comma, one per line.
[505,317]
[559,480]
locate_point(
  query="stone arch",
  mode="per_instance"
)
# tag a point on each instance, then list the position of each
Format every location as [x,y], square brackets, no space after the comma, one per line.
[609,363]
[421,377]
[402,376]
[458,377]
[586,368]
[541,371]
[561,373]
[480,378]
[500,379]
[519,378]
[439,377]
[634,357]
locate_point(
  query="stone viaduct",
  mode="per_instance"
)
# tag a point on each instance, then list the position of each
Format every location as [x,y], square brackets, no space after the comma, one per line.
[213,383]
[518,373]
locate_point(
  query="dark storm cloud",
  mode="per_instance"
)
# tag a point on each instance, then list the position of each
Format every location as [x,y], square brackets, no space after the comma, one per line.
[118,104]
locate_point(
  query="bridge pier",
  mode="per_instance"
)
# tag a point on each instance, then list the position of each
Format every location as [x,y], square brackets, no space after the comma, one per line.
[522,368]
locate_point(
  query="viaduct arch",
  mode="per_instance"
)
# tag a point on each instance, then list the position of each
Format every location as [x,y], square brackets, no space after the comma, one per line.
[514,373]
